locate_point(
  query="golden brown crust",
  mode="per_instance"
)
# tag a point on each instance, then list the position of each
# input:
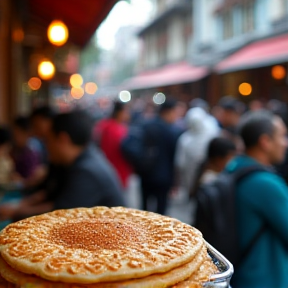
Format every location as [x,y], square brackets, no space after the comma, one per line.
[91,245]
[202,275]
[158,280]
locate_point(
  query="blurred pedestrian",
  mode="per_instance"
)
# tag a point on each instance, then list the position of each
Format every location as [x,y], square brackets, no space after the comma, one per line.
[229,111]
[262,204]
[159,179]
[41,121]
[220,151]
[181,110]
[109,133]
[6,162]
[192,146]
[26,160]
[88,181]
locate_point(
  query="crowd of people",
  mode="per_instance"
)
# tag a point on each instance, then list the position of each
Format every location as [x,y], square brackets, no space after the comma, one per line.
[68,160]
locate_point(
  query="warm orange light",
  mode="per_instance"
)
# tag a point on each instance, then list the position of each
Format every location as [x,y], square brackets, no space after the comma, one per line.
[34,83]
[91,88]
[57,33]
[46,70]
[77,92]
[76,80]
[245,89]
[18,35]
[278,72]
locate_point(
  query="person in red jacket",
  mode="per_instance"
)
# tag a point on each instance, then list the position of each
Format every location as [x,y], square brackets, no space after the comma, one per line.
[108,134]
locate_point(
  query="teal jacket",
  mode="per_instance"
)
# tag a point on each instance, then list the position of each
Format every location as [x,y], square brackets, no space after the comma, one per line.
[261,197]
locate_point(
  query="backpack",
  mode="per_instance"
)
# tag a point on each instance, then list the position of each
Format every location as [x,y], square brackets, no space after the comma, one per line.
[216,217]
[140,148]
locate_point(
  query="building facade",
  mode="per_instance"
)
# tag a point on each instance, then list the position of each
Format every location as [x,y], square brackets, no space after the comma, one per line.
[235,41]
[247,28]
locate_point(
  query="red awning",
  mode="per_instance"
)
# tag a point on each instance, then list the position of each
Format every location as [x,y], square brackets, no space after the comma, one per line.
[258,54]
[81,17]
[168,75]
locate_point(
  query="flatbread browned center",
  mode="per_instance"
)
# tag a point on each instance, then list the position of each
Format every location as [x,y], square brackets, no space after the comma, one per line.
[92,245]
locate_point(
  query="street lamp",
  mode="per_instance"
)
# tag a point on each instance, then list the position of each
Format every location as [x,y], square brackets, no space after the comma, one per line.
[57,33]
[46,70]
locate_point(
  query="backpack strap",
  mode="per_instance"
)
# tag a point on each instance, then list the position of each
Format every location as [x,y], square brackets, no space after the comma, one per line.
[243,172]
[238,176]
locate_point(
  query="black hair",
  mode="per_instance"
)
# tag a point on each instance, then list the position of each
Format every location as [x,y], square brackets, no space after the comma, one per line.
[168,105]
[5,135]
[118,107]
[22,123]
[254,124]
[230,103]
[77,124]
[44,112]
[220,147]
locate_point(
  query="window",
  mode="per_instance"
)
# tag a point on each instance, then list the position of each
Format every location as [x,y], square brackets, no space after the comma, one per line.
[284,6]
[162,45]
[238,19]
[227,24]
[248,17]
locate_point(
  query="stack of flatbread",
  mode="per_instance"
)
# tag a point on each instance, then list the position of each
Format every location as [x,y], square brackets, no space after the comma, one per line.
[103,247]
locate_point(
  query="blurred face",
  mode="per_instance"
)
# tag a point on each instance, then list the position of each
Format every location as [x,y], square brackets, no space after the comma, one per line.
[5,149]
[57,146]
[181,110]
[277,144]
[41,127]
[228,118]
[20,137]
[124,115]
[171,116]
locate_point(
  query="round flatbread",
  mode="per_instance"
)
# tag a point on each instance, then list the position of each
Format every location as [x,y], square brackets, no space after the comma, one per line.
[90,245]
[156,281]
[202,275]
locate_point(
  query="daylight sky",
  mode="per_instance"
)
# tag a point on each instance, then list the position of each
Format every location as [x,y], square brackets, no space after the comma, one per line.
[138,12]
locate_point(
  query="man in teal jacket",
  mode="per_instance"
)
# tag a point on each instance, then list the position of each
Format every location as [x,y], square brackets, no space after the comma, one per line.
[262,201]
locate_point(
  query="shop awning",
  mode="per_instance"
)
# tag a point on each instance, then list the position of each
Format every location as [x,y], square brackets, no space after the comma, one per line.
[258,54]
[82,17]
[167,75]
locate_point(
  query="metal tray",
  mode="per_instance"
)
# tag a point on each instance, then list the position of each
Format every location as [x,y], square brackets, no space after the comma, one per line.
[222,279]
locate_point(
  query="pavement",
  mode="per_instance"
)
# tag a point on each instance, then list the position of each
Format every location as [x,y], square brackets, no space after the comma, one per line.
[179,206]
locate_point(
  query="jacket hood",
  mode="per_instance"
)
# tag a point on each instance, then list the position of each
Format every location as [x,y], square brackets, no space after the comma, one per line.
[240,162]
[199,121]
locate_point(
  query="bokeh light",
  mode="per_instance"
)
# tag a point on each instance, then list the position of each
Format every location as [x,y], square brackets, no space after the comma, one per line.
[91,88]
[278,72]
[159,98]
[46,70]
[125,96]
[245,89]
[18,35]
[76,80]
[77,92]
[26,88]
[34,83]
[57,33]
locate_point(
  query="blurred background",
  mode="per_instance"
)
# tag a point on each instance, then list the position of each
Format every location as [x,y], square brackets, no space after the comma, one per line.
[188,49]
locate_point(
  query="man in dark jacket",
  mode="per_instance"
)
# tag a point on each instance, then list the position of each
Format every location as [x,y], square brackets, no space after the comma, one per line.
[88,180]
[163,135]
